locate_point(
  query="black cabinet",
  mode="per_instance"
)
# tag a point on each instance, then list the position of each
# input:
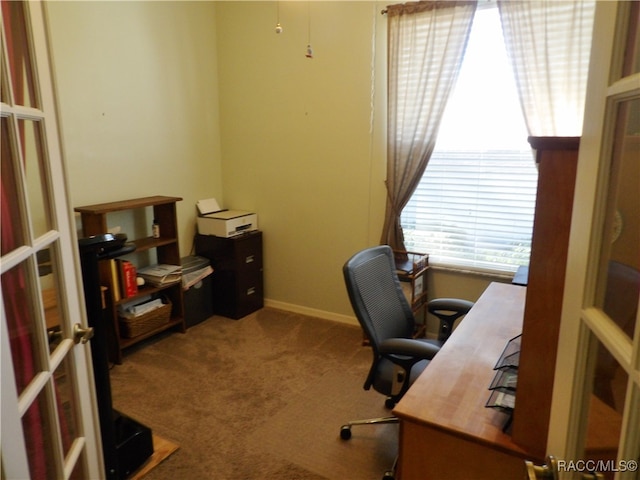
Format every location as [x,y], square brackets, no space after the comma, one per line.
[237,272]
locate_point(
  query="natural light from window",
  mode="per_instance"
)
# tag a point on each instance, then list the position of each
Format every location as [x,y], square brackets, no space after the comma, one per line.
[475,204]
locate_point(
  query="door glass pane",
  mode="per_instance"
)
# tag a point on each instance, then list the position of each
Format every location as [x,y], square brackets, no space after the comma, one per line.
[79,468]
[4,92]
[11,231]
[37,428]
[631,62]
[632,453]
[619,276]
[20,66]
[22,322]
[605,412]
[31,144]
[49,290]
[65,400]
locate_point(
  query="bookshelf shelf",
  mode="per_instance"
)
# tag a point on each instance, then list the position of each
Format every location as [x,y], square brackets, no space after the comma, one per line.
[148,243]
[94,222]
[145,290]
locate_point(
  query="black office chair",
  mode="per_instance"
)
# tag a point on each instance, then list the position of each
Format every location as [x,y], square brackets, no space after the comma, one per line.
[387,320]
[448,310]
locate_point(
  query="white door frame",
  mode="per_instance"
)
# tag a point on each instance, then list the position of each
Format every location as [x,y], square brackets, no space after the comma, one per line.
[62,235]
[580,319]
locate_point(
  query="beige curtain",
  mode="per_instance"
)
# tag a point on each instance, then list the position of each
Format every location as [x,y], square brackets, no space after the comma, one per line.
[549,44]
[426,44]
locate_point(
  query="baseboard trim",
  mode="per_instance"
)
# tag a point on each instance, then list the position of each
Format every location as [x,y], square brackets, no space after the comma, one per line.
[312,312]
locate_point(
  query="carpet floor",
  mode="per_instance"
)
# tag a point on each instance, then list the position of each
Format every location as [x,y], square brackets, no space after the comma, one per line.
[258,398]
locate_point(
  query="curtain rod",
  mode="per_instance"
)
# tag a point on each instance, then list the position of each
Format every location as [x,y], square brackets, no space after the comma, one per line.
[480,2]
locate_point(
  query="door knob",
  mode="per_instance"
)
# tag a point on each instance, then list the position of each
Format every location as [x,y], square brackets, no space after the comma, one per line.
[81,334]
[592,476]
[546,471]
[550,470]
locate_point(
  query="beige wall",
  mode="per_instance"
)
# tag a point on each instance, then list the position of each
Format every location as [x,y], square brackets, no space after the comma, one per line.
[297,144]
[204,99]
[138,101]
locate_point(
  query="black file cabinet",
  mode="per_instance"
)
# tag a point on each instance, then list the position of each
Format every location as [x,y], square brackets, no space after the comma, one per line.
[237,272]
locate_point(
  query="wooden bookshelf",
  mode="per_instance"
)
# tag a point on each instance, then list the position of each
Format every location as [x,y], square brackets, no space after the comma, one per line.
[95,222]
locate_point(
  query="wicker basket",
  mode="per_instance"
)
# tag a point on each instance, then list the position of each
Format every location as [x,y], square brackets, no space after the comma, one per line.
[136,326]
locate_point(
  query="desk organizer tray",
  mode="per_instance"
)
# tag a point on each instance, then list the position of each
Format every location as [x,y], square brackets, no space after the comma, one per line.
[510,357]
[506,380]
[503,401]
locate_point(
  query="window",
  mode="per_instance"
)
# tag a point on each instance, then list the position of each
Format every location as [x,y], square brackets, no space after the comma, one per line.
[475,204]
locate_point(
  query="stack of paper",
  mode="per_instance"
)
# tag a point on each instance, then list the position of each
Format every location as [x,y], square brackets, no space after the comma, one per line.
[190,279]
[161,274]
[140,306]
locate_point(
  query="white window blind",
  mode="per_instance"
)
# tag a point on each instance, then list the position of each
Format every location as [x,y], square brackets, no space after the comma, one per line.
[474,206]
[474,209]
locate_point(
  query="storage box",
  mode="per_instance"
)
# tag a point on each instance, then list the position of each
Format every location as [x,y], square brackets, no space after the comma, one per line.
[223,223]
[198,297]
[136,326]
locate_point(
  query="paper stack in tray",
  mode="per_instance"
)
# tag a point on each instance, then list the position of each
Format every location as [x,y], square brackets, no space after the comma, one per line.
[161,274]
[139,306]
[190,279]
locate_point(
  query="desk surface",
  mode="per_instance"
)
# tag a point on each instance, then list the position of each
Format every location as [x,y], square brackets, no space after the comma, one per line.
[451,393]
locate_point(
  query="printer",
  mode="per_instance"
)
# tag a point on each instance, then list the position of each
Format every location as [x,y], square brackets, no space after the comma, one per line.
[212,220]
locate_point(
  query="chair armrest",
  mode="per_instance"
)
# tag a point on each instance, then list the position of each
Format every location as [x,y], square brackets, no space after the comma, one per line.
[409,347]
[457,305]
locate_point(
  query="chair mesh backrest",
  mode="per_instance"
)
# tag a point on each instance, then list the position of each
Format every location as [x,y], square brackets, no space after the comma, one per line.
[376,295]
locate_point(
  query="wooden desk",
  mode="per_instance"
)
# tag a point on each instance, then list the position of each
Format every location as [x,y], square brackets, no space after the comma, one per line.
[446,432]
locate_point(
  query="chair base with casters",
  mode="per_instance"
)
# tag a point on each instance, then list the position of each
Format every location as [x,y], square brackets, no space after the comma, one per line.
[345,430]
[345,434]
[397,388]
[448,310]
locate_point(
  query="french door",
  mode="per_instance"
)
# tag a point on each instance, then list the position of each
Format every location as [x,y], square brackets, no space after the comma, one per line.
[48,427]
[595,418]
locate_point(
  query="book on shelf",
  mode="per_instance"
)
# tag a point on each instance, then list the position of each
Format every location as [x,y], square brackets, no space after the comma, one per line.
[116,294]
[128,284]
[161,274]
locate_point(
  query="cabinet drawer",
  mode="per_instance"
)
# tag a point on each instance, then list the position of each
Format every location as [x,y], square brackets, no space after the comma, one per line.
[248,261]
[248,253]
[234,297]
[250,294]
[231,253]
